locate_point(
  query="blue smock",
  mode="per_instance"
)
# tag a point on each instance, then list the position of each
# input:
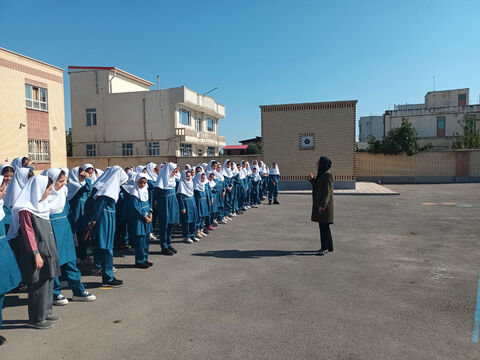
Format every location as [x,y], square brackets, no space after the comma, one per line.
[63,236]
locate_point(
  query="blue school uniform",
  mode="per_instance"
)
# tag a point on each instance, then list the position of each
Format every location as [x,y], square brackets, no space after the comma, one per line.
[219,200]
[189,218]
[273,187]
[66,253]
[138,227]
[77,217]
[104,216]
[229,196]
[202,208]
[10,274]
[122,216]
[239,196]
[168,215]
[8,217]
[254,192]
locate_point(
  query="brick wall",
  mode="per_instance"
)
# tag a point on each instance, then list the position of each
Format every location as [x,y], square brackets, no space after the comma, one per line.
[37,125]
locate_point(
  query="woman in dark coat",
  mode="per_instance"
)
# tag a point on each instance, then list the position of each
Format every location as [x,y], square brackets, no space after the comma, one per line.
[322,208]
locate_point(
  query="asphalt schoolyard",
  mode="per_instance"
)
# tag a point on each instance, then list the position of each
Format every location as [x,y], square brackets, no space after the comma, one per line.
[401,284]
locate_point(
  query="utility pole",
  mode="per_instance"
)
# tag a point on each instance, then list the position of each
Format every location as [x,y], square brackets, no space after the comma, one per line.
[158,82]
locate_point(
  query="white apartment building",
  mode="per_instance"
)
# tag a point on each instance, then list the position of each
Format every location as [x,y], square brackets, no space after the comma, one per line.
[370,126]
[114,113]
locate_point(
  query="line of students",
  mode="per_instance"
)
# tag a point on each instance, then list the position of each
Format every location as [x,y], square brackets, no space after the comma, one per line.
[49,225]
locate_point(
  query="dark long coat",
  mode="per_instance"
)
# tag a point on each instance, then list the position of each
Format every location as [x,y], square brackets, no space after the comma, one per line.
[322,193]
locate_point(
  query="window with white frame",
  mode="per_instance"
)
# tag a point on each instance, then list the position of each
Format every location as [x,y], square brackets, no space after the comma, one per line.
[39,150]
[184,117]
[210,125]
[91,117]
[199,152]
[185,149]
[210,151]
[154,148]
[36,97]
[127,149]
[199,124]
[91,150]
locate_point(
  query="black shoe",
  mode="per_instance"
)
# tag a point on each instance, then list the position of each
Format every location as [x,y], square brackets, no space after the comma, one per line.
[142,265]
[52,318]
[115,283]
[150,264]
[42,325]
[167,252]
[330,250]
[322,252]
[269,202]
[172,249]
[2,340]
[276,202]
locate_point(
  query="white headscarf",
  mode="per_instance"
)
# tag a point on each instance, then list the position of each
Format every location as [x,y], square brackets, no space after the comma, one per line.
[151,171]
[164,180]
[185,187]
[17,163]
[74,184]
[142,193]
[139,169]
[241,172]
[129,185]
[188,167]
[56,199]
[209,167]
[113,178]
[275,171]
[16,185]
[212,183]
[226,171]
[2,212]
[218,175]
[29,199]
[198,184]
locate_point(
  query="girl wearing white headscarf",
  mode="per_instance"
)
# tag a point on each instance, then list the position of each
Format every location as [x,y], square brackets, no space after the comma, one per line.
[19,163]
[92,172]
[167,206]
[220,194]
[229,195]
[239,190]
[187,206]
[38,258]
[199,182]
[103,221]
[64,240]
[10,274]
[274,179]
[153,170]
[79,187]
[211,192]
[15,186]
[263,170]
[255,187]
[140,224]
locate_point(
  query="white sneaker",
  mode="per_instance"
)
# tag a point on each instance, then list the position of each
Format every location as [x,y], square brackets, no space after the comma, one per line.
[254,206]
[60,300]
[196,239]
[153,237]
[248,206]
[188,241]
[224,221]
[215,222]
[233,214]
[86,297]
[203,233]
[198,234]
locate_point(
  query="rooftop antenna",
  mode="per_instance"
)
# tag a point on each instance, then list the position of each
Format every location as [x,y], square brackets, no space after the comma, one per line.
[209,91]
[158,82]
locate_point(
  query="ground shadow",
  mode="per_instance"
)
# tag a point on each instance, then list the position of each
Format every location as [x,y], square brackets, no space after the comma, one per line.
[14,300]
[15,324]
[254,254]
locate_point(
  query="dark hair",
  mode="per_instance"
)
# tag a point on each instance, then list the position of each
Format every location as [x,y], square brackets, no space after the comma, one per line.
[31,174]
[61,173]
[50,182]
[6,169]
[25,161]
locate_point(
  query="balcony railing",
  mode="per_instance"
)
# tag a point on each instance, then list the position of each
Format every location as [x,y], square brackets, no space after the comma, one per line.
[201,135]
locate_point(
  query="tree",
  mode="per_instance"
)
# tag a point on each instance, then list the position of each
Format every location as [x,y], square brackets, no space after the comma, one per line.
[253,149]
[69,143]
[398,140]
[471,137]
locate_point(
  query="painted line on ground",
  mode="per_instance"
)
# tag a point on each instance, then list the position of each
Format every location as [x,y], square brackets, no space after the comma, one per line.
[476,321]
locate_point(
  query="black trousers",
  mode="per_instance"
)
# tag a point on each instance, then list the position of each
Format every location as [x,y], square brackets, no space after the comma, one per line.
[326,237]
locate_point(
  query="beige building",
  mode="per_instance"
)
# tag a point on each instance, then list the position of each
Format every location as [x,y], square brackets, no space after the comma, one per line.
[32,111]
[439,119]
[296,135]
[115,113]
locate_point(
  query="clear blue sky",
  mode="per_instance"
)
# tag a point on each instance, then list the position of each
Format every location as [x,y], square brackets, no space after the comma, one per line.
[261,52]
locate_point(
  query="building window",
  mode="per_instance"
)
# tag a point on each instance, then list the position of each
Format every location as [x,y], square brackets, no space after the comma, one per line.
[210,151]
[91,150]
[154,148]
[39,150]
[199,124]
[185,149]
[440,126]
[462,99]
[210,125]
[199,152]
[36,97]
[91,117]
[184,117]
[127,149]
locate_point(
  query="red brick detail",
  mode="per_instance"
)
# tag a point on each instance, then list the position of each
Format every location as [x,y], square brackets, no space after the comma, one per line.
[29,70]
[37,125]
[42,166]
[462,163]
[309,106]
[35,83]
